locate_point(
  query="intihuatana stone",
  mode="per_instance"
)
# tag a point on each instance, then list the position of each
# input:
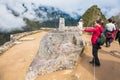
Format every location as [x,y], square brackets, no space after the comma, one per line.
[58,50]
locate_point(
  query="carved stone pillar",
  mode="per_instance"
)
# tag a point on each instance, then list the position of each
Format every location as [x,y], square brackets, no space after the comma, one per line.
[61,24]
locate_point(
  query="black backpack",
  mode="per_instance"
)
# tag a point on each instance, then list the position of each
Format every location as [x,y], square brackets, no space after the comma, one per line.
[101,39]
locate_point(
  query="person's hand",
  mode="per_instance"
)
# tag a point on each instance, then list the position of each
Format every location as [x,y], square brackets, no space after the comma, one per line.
[82,29]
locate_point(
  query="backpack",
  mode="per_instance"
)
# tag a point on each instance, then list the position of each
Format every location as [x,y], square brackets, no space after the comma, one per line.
[101,40]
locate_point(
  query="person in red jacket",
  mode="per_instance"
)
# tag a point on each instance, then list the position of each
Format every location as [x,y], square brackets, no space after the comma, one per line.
[96,31]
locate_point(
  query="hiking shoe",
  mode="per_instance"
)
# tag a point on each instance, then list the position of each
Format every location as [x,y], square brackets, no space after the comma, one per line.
[107,46]
[96,65]
[99,47]
[91,62]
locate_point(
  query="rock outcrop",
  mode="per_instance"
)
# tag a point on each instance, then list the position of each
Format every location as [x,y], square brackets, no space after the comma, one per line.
[59,50]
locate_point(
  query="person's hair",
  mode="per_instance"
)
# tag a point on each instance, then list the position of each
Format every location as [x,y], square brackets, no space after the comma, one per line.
[101,22]
[110,20]
[113,21]
[98,21]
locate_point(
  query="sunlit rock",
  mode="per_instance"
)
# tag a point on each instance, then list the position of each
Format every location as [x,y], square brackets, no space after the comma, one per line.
[58,50]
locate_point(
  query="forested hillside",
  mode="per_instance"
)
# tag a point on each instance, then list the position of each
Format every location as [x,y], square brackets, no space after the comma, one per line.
[92,14]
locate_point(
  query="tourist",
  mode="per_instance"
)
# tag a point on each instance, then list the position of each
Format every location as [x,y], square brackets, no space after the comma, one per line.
[110,27]
[118,36]
[96,31]
[115,31]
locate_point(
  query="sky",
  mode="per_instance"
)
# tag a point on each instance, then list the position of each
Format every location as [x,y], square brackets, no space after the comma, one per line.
[8,21]
[108,7]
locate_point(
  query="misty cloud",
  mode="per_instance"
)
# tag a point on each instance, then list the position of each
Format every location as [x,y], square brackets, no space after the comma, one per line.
[12,12]
[80,6]
[8,21]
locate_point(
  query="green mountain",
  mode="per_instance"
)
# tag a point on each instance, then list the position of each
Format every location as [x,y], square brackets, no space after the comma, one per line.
[92,14]
[117,19]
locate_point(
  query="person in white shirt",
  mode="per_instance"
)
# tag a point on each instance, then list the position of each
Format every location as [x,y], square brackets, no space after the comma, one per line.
[110,27]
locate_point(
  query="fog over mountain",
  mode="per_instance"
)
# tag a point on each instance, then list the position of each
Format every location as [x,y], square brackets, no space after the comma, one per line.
[12,12]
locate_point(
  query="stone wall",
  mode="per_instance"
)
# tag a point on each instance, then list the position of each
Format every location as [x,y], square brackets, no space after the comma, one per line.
[14,38]
[6,46]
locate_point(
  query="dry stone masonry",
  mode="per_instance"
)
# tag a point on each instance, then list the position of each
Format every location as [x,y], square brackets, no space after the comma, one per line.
[14,40]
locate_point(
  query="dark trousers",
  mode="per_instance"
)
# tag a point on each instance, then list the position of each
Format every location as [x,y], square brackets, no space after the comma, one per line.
[95,48]
[108,41]
[119,40]
[109,38]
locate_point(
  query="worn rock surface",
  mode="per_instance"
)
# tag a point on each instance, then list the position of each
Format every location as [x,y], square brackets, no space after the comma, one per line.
[58,50]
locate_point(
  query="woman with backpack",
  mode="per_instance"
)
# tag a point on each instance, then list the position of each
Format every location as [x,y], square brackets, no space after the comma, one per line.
[96,31]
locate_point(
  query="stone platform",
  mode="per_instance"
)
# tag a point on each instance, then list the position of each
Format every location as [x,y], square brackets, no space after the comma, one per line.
[58,50]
